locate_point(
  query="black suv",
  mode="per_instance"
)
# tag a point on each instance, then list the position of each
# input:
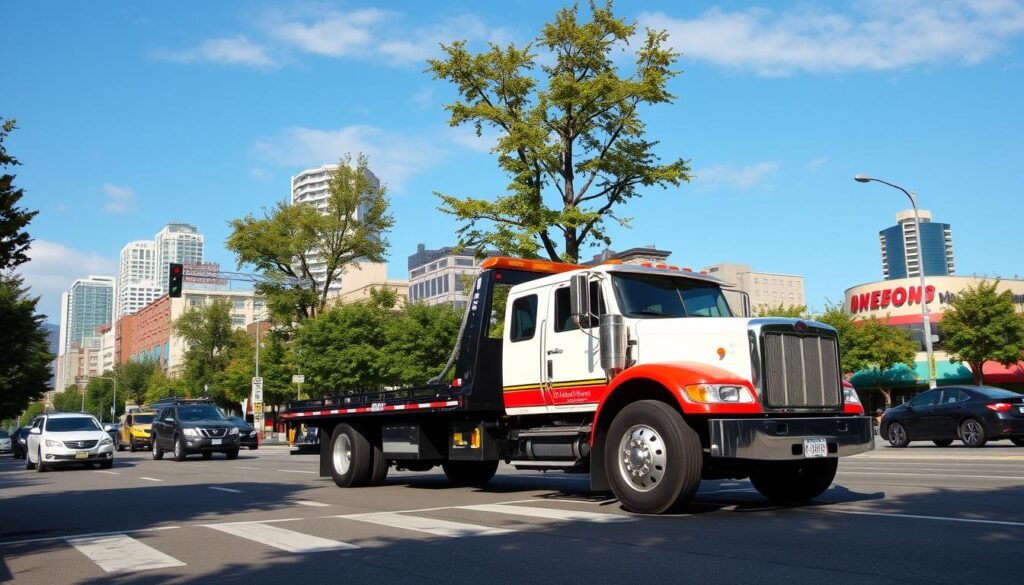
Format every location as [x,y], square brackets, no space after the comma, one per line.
[185,427]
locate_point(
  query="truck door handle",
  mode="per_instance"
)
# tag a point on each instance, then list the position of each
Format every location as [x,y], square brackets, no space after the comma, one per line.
[554,351]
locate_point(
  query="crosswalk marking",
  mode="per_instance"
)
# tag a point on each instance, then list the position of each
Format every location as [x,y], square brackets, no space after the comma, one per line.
[548,513]
[428,525]
[120,553]
[311,503]
[282,538]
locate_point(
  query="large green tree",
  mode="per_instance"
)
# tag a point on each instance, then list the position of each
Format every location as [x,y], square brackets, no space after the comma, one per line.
[419,341]
[782,310]
[289,241]
[208,332]
[14,240]
[844,324]
[160,386]
[571,136]
[878,348]
[132,380]
[68,400]
[981,325]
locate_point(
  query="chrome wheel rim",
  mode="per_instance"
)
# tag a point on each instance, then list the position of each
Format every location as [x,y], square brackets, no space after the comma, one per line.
[642,457]
[971,432]
[897,436]
[342,454]
[177,448]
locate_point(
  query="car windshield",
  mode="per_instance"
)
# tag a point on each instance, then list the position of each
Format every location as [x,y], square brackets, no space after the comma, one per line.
[995,393]
[72,424]
[237,420]
[660,296]
[142,419]
[199,412]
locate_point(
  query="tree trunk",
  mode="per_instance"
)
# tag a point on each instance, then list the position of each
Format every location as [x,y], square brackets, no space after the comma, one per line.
[979,375]
[886,396]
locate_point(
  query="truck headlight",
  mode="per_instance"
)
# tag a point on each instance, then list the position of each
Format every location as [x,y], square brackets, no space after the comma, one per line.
[190,432]
[719,393]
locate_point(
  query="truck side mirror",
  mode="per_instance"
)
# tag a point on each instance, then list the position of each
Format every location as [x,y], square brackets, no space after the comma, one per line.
[579,298]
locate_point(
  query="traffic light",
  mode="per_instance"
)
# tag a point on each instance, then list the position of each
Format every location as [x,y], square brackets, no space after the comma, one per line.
[176,275]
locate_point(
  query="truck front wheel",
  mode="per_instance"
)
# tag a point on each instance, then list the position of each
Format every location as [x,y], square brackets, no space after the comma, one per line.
[653,458]
[470,472]
[351,457]
[791,482]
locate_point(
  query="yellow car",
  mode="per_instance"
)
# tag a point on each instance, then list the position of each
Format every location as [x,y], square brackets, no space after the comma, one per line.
[134,433]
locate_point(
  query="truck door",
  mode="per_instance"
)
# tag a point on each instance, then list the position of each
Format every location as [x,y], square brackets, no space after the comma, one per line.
[575,381]
[522,360]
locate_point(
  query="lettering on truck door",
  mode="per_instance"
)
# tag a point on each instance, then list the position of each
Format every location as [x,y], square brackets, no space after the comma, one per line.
[576,381]
[522,382]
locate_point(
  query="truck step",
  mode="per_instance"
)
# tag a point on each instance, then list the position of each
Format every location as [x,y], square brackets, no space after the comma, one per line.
[556,431]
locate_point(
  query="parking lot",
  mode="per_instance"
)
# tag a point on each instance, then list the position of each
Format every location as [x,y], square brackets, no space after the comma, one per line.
[917,515]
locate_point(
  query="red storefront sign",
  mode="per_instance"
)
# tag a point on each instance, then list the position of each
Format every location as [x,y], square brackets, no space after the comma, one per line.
[886,297]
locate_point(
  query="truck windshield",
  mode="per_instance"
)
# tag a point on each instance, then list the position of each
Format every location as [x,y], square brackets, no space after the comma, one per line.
[142,419]
[660,296]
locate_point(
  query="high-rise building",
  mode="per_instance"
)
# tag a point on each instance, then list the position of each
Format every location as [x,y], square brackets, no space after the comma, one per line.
[439,276]
[144,265]
[764,288]
[902,255]
[310,186]
[180,243]
[89,304]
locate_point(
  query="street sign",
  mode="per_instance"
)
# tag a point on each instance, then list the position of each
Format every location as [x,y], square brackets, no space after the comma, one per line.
[257,410]
[257,390]
[298,379]
[111,411]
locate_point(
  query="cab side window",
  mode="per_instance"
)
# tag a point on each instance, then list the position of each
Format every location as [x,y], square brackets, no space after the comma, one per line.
[524,318]
[563,307]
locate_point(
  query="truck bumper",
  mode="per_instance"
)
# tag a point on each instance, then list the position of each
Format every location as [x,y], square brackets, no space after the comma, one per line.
[777,439]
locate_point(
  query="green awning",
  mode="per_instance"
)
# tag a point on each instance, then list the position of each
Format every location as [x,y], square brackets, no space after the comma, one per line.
[945,373]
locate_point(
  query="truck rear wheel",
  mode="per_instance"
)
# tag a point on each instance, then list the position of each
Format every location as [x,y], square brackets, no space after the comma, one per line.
[653,458]
[465,473]
[791,482]
[379,468]
[351,457]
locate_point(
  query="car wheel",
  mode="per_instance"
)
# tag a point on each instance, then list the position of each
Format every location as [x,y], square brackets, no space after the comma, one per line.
[1019,441]
[972,433]
[40,466]
[351,457]
[131,445]
[943,443]
[653,458]
[897,435]
[179,449]
[28,462]
[158,453]
[207,454]
[232,454]
[793,482]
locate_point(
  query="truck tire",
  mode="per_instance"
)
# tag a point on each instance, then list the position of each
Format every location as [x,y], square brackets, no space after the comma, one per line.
[379,468]
[653,458]
[351,457]
[792,482]
[469,473]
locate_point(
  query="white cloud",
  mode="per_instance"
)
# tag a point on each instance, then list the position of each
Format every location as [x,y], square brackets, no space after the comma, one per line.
[53,267]
[339,35]
[119,199]
[876,35]
[237,50]
[816,164]
[734,177]
[393,157]
[465,136]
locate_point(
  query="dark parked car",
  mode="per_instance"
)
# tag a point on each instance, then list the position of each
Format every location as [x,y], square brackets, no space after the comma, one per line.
[972,414]
[18,440]
[184,427]
[246,433]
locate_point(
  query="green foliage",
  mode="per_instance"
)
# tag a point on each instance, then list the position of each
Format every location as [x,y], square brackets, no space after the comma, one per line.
[14,240]
[837,316]
[209,334]
[160,386]
[877,347]
[981,325]
[31,411]
[574,149]
[781,310]
[419,341]
[25,359]
[132,381]
[283,244]
[70,400]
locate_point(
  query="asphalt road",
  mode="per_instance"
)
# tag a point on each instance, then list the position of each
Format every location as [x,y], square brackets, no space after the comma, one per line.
[916,515]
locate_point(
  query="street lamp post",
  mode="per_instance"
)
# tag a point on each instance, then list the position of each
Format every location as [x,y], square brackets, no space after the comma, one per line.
[113,405]
[925,318]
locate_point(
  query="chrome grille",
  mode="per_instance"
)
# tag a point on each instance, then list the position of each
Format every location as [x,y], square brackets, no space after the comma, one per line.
[801,371]
[80,444]
[213,432]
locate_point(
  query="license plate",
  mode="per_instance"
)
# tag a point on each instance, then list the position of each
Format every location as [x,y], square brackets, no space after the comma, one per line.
[82,455]
[815,447]
[215,441]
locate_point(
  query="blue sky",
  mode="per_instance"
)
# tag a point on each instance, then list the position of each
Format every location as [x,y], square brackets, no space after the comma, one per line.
[134,114]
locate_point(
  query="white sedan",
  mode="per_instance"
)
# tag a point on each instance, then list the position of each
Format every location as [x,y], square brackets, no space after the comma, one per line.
[61,439]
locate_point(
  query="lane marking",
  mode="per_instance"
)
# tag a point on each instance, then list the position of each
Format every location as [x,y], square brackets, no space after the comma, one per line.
[1020,477]
[228,490]
[547,513]
[250,468]
[923,517]
[120,553]
[248,522]
[150,479]
[427,525]
[109,472]
[294,471]
[282,538]
[311,503]
[87,535]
